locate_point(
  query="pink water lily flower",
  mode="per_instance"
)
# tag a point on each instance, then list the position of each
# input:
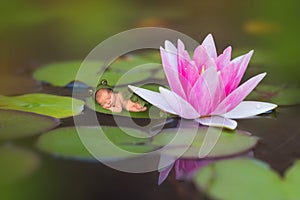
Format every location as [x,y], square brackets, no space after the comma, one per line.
[205,87]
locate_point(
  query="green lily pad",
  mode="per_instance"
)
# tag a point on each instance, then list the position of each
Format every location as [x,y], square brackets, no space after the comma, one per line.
[45,104]
[61,74]
[240,178]
[120,136]
[276,94]
[17,124]
[151,112]
[16,163]
[139,68]
[128,62]
[292,181]
[116,78]
[221,143]
[160,74]
[68,142]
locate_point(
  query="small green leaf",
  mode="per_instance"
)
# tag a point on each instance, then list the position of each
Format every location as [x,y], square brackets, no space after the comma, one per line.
[17,124]
[45,104]
[106,143]
[16,163]
[240,178]
[220,143]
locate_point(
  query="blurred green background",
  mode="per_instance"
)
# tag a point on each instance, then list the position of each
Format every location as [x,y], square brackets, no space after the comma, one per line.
[34,33]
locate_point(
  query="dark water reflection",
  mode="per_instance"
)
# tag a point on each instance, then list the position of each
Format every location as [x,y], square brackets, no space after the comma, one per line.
[279,137]
[65,179]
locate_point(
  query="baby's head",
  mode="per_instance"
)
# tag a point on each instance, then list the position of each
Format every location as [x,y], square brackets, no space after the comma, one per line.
[105,97]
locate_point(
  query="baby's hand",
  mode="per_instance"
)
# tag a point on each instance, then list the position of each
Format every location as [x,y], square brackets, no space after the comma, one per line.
[135,107]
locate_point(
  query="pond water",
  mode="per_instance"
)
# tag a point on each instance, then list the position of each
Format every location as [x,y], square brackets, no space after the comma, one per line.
[61,178]
[38,33]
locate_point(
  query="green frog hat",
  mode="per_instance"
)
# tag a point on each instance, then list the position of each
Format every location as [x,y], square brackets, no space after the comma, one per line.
[102,85]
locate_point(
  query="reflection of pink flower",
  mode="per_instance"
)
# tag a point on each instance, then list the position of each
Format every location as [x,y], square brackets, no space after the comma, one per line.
[184,169]
[205,87]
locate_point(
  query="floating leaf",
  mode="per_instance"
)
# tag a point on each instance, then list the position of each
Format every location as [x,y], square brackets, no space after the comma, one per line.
[149,63]
[275,94]
[63,142]
[61,74]
[292,181]
[139,68]
[17,124]
[121,136]
[151,60]
[240,178]
[45,104]
[223,142]
[68,142]
[151,112]
[16,163]
[117,78]
[160,74]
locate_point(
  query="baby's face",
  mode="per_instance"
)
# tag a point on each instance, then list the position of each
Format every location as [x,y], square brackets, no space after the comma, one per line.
[105,98]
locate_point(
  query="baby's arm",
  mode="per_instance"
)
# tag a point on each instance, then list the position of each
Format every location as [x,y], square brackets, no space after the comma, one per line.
[134,106]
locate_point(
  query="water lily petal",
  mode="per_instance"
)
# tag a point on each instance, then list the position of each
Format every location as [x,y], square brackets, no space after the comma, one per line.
[202,59]
[171,71]
[228,73]
[236,97]
[179,105]
[174,82]
[188,78]
[217,121]
[207,92]
[241,68]
[185,169]
[187,70]
[171,54]
[164,174]
[209,45]
[183,57]
[154,98]
[224,59]
[249,108]
[233,72]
